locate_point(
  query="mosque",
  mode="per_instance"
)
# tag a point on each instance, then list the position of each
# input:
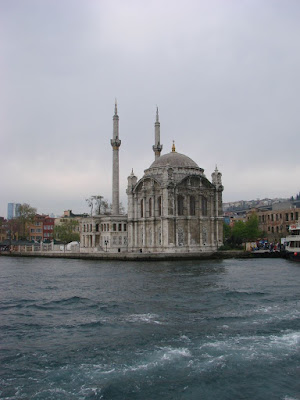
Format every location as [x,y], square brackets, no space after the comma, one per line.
[173,208]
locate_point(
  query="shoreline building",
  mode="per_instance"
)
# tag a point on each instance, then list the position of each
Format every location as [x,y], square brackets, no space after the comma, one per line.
[173,208]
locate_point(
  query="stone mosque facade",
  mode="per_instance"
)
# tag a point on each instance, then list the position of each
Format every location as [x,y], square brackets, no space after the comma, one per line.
[173,208]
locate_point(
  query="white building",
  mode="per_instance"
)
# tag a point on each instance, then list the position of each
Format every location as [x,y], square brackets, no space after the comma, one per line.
[172,208]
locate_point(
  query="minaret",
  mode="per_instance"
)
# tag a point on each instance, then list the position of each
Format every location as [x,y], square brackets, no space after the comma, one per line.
[157,148]
[116,143]
[216,177]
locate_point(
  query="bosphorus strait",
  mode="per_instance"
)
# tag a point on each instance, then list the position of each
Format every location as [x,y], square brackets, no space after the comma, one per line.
[85,329]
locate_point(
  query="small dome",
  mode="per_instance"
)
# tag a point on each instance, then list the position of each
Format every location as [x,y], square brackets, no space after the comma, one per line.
[174,159]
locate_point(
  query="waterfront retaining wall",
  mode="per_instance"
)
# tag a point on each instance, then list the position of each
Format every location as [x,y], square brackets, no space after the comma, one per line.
[145,256]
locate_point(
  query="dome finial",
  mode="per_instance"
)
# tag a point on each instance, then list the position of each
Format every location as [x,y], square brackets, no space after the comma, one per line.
[173,147]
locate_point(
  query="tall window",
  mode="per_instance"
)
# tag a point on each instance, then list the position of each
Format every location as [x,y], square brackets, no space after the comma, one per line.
[180,205]
[114,227]
[150,207]
[159,205]
[204,206]
[192,205]
[142,208]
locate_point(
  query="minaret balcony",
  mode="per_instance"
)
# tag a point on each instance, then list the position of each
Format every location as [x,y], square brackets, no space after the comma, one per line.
[157,147]
[115,143]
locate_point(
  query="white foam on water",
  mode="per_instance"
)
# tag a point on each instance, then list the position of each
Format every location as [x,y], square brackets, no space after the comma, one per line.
[288,340]
[185,338]
[172,354]
[161,357]
[267,314]
[289,398]
[109,372]
[53,391]
[224,327]
[146,318]
[253,347]
[87,391]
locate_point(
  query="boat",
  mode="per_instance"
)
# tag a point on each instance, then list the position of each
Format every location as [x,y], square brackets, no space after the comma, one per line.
[292,247]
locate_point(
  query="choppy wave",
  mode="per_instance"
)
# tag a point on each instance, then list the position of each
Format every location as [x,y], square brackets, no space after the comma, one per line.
[272,347]
[198,331]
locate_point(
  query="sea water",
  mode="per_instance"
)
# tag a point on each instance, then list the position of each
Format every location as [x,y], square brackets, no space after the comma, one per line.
[74,329]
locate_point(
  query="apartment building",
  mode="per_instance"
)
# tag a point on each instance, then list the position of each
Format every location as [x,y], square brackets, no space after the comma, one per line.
[275,223]
[41,228]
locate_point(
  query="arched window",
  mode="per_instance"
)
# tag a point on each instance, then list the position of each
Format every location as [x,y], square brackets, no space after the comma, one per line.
[150,207]
[180,205]
[97,227]
[142,208]
[204,206]
[159,205]
[192,205]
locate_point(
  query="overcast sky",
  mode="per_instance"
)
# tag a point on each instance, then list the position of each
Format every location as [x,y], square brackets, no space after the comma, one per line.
[224,74]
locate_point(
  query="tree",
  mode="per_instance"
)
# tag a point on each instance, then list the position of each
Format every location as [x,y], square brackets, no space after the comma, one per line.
[13,228]
[252,232]
[90,202]
[98,204]
[242,232]
[66,232]
[226,232]
[238,233]
[101,206]
[19,224]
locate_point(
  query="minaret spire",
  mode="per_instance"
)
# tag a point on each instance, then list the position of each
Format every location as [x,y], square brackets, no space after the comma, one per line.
[115,143]
[157,148]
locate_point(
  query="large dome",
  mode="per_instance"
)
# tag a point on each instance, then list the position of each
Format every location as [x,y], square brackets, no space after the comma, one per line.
[174,159]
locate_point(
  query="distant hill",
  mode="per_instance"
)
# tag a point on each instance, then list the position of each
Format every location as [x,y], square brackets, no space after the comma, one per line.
[245,205]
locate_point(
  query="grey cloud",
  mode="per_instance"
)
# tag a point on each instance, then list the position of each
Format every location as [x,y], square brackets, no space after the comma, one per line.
[225,76]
